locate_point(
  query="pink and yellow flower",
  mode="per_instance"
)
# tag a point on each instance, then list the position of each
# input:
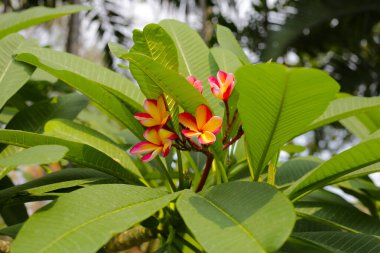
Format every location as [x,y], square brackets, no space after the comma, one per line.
[159,140]
[204,125]
[223,85]
[196,83]
[156,113]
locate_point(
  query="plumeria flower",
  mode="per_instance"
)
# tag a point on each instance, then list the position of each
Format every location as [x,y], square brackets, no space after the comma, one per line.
[196,83]
[156,113]
[204,125]
[223,85]
[159,140]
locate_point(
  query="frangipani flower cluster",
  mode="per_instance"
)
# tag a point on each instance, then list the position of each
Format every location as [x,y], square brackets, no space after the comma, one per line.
[158,138]
[203,125]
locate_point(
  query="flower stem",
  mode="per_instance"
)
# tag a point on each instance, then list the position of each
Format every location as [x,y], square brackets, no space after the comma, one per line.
[237,137]
[167,175]
[180,169]
[272,169]
[206,171]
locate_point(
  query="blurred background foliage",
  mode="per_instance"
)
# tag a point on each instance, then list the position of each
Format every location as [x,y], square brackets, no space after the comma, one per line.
[340,36]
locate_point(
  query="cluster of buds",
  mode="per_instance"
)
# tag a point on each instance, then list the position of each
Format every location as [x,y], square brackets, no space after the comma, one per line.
[203,125]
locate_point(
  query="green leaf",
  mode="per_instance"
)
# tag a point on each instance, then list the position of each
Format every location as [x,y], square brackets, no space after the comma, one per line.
[14,213]
[227,40]
[13,75]
[101,85]
[364,124]
[238,217]
[355,158]
[194,57]
[16,21]
[117,50]
[293,148]
[341,216]
[42,154]
[341,242]
[91,225]
[11,231]
[169,81]
[226,60]
[79,153]
[155,43]
[276,103]
[72,131]
[343,108]
[294,169]
[33,118]
[65,175]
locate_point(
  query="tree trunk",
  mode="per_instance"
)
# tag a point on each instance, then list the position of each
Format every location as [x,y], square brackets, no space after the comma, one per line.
[73,36]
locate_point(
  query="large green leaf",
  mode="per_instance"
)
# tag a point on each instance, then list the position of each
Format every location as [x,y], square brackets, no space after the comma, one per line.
[226,60]
[16,21]
[341,216]
[355,158]
[169,81]
[341,242]
[364,124]
[61,176]
[294,169]
[227,40]
[13,75]
[33,118]
[238,217]
[42,154]
[96,82]
[194,57]
[276,103]
[155,43]
[80,153]
[82,222]
[343,108]
[72,131]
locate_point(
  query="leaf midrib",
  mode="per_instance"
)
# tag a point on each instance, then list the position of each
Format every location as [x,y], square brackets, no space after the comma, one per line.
[310,187]
[73,230]
[275,125]
[244,229]
[180,49]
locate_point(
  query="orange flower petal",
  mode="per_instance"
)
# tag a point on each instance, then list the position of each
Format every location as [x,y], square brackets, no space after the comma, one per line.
[216,92]
[164,114]
[166,148]
[213,125]
[222,76]
[206,138]
[166,135]
[202,115]
[143,147]
[188,121]
[190,134]
[151,135]
[151,107]
[150,156]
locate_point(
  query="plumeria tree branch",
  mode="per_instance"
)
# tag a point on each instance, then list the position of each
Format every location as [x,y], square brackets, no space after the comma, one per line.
[206,172]
[235,139]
